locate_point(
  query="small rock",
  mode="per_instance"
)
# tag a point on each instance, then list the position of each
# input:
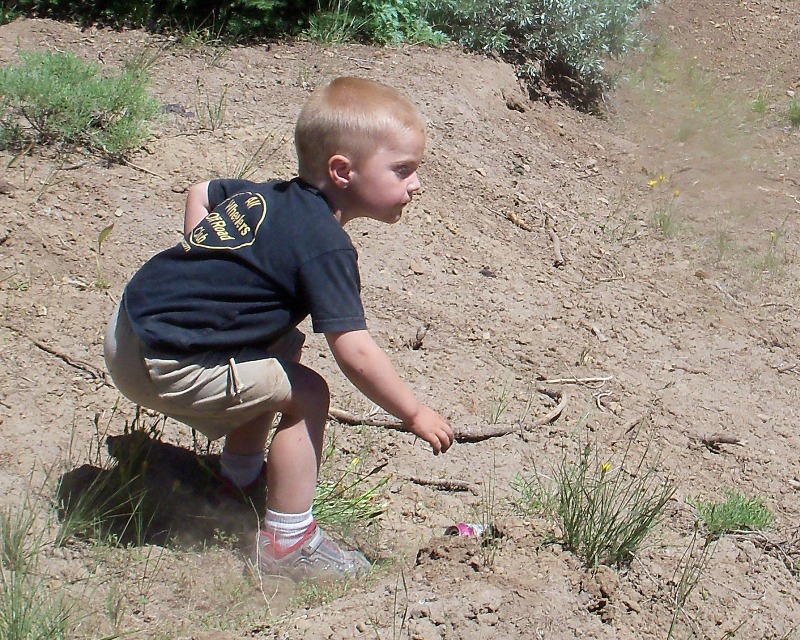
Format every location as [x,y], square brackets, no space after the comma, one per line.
[416,268]
[607,580]
[488,619]
[632,605]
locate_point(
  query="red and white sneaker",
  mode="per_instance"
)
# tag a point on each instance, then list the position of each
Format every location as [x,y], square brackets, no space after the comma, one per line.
[315,557]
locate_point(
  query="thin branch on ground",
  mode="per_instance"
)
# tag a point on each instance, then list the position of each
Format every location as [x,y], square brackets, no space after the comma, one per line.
[589,380]
[444,483]
[558,260]
[462,433]
[143,169]
[95,372]
[713,441]
[721,289]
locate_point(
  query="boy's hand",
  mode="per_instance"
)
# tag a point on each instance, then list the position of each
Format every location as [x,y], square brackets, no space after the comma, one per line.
[368,367]
[433,428]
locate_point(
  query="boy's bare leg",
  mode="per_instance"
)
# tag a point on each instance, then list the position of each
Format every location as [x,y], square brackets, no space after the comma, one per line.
[245,445]
[250,438]
[296,448]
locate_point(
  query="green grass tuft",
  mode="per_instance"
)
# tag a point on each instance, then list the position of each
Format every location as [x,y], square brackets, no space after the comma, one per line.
[736,513]
[604,511]
[793,112]
[55,98]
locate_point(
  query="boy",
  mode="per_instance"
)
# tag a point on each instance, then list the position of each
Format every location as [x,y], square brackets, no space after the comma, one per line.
[206,331]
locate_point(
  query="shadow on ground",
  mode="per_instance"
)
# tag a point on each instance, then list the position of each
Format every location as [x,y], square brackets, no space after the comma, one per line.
[155,493]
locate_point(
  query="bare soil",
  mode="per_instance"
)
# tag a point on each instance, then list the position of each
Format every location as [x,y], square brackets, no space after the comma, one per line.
[677,214]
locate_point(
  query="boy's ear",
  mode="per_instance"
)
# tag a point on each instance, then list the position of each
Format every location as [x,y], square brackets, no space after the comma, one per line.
[339,170]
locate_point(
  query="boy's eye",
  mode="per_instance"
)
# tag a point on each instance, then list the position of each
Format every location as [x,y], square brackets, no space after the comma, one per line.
[405,171]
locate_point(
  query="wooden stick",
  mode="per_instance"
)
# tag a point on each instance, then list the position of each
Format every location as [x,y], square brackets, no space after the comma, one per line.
[629,426]
[721,289]
[462,433]
[444,483]
[143,169]
[551,231]
[589,380]
[687,368]
[94,372]
[345,417]
[557,410]
[713,441]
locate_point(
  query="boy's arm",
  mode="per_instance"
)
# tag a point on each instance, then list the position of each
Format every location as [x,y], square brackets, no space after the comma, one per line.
[197,206]
[369,368]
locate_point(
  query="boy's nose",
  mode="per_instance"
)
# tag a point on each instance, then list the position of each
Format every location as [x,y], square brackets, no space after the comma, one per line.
[414,184]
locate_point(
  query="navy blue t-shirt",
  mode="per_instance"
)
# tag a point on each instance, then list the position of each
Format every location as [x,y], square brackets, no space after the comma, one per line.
[268,255]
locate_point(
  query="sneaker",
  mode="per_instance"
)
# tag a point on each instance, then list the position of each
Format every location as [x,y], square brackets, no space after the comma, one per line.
[315,556]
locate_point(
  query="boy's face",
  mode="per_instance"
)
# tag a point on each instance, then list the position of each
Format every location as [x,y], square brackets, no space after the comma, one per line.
[382,184]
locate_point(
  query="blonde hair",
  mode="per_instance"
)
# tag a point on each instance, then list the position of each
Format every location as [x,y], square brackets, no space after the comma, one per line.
[351,117]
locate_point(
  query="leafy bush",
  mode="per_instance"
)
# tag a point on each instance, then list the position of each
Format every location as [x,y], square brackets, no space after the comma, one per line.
[736,513]
[604,511]
[560,43]
[550,40]
[793,112]
[397,21]
[55,98]
[246,18]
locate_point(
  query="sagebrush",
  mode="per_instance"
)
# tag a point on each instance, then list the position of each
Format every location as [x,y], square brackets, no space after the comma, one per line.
[55,98]
[553,43]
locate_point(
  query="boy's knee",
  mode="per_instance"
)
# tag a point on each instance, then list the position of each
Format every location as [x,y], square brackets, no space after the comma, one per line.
[307,385]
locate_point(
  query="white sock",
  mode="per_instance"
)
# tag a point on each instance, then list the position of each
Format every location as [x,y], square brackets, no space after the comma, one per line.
[288,528]
[241,469]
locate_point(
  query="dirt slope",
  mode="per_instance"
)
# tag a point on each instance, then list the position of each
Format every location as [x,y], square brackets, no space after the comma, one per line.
[677,215]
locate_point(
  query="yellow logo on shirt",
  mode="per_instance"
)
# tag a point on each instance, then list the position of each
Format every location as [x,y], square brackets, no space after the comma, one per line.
[231,225]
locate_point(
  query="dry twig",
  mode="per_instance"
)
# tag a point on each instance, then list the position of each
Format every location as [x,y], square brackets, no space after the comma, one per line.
[629,426]
[444,483]
[721,289]
[551,231]
[687,368]
[94,372]
[713,441]
[144,169]
[462,432]
[589,380]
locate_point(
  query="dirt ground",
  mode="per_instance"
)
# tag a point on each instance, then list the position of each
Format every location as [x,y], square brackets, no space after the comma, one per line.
[677,212]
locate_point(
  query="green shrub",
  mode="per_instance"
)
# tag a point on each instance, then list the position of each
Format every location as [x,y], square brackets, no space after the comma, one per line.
[347,499]
[66,101]
[9,13]
[736,513]
[245,18]
[397,21]
[561,43]
[335,24]
[793,112]
[552,41]
[604,510]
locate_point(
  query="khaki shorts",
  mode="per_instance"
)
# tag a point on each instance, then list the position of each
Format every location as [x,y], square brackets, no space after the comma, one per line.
[211,392]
